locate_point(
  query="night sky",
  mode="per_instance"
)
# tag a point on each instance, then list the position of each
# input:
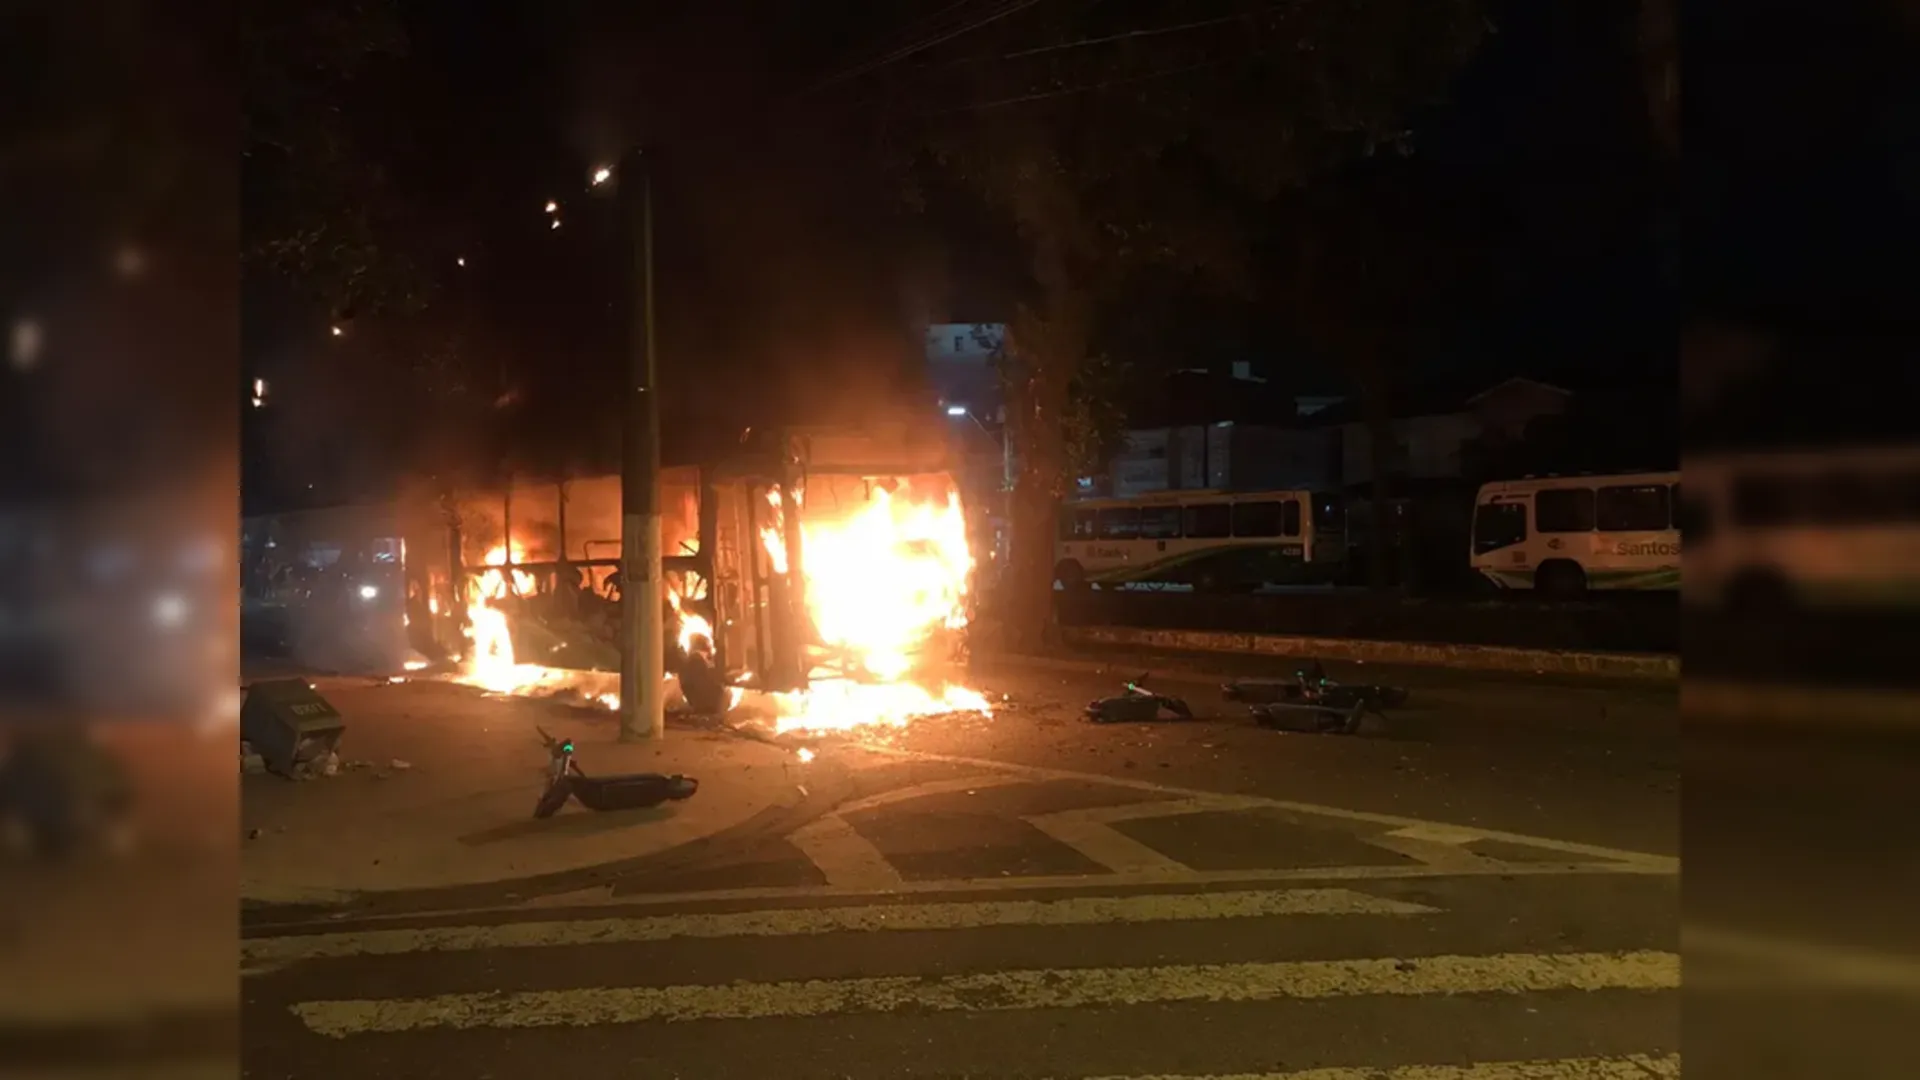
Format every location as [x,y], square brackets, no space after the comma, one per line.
[789,273]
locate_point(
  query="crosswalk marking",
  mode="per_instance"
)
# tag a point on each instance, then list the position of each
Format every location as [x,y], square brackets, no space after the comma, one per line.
[785,922]
[846,858]
[599,897]
[1096,840]
[1504,973]
[1090,831]
[1630,861]
[1629,1067]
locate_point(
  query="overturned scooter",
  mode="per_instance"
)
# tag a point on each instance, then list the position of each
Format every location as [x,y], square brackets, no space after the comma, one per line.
[1137,705]
[630,791]
[1313,703]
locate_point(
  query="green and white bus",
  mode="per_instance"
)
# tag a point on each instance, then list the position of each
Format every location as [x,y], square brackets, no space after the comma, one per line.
[1563,535]
[1205,541]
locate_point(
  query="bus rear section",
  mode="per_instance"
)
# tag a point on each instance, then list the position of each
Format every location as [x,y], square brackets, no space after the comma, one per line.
[1200,542]
[1563,536]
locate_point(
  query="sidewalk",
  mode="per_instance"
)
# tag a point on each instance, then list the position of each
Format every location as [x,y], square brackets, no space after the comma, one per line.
[437,786]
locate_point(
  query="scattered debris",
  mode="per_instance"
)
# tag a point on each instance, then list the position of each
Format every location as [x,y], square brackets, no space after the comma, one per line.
[251,762]
[1137,705]
[327,764]
[1311,703]
[253,834]
[399,765]
[1308,719]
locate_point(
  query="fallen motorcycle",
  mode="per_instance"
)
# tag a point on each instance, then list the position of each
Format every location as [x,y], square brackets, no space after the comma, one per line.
[629,791]
[1137,705]
[1312,703]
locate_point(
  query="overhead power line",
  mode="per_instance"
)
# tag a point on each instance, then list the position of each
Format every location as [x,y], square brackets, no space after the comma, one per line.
[930,40]
[1126,35]
[1086,88]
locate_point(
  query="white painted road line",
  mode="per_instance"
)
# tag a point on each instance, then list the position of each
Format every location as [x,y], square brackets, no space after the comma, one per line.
[848,859]
[1629,1067]
[1099,842]
[1060,988]
[951,786]
[863,918]
[1638,860]
[783,894]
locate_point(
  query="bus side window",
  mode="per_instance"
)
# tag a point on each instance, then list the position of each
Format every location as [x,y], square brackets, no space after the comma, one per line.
[1290,518]
[1160,523]
[1256,519]
[1563,510]
[1076,525]
[1209,521]
[1118,523]
[1633,509]
[1499,525]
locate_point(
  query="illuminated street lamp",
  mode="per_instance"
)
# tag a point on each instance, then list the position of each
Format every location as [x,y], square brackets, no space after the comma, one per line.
[552,207]
[601,175]
[259,392]
[337,331]
[1006,441]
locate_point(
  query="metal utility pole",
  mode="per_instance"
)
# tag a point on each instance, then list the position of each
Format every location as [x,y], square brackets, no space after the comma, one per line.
[643,640]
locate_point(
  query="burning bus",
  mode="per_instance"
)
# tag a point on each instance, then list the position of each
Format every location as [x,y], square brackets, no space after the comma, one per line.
[825,574]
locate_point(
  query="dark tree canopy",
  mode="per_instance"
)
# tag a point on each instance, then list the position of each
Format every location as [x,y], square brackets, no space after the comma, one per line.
[1123,137]
[318,207]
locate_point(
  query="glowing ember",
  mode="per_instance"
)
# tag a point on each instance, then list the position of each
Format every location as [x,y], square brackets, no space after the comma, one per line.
[805,755]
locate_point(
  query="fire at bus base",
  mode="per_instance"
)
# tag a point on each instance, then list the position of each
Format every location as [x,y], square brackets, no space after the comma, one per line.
[886,582]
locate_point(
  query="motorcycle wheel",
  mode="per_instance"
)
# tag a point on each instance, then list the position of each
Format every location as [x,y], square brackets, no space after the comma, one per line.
[551,800]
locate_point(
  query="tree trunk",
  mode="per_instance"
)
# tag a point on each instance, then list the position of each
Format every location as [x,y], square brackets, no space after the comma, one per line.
[1027,597]
[1039,405]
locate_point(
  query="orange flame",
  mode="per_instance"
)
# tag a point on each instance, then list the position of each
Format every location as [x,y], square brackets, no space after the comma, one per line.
[884,584]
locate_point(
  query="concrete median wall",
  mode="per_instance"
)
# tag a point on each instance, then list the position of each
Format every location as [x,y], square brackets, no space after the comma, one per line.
[1476,657]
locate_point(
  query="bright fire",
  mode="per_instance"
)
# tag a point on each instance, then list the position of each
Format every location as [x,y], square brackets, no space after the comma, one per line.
[884,584]
[490,663]
[692,624]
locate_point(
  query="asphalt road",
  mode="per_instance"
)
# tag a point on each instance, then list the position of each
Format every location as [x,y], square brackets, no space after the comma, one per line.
[1486,885]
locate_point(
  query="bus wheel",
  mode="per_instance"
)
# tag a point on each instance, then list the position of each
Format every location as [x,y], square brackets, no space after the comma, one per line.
[1559,579]
[1071,576]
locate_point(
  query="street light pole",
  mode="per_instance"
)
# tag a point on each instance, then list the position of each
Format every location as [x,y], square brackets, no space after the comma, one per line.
[643,640]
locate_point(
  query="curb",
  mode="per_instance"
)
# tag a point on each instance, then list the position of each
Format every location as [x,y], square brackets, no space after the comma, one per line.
[1643,666]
